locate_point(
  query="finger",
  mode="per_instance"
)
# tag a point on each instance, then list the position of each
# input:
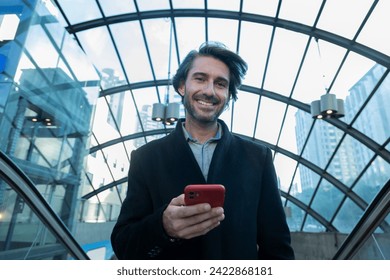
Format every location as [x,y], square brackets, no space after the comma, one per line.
[201,228]
[201,214]
[179,224]
[188,211]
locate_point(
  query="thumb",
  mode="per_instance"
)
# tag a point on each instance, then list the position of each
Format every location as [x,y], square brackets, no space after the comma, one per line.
[178,200]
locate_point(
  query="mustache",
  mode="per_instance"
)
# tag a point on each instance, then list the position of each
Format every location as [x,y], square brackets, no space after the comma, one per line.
[207,97]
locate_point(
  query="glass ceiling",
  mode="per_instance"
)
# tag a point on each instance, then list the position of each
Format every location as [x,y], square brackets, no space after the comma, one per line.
[329,170]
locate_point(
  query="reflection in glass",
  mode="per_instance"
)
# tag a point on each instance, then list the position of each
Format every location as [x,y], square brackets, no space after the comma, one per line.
[348,216]
[350,159]
[322,141]
[305,184]
[327,199]
[373,179]
[285,170]
[374,120]
[294,216]
[312,225]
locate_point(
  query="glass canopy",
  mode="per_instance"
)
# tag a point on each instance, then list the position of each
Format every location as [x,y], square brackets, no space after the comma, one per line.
[329,170]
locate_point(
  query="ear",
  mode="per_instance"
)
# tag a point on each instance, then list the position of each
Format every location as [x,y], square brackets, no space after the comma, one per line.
[181,89]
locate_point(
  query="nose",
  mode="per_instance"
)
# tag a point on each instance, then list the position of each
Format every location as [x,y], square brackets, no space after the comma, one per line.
[209,88]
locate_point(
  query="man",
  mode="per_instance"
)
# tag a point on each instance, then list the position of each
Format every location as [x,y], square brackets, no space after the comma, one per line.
[154,222]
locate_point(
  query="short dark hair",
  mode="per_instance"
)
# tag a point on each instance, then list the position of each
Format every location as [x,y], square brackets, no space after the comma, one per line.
[237,66]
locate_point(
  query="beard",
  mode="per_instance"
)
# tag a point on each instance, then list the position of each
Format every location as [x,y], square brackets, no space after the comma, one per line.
[200,115]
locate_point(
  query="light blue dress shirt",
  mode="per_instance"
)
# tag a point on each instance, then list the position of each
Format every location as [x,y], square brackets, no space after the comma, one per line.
[203,152]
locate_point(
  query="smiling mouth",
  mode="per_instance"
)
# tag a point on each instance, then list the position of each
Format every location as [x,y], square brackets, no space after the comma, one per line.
[204,103]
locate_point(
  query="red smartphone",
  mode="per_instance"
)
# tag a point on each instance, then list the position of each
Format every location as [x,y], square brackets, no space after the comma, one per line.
[213,194]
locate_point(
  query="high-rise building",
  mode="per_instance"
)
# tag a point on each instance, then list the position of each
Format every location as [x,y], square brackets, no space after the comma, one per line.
[350,158]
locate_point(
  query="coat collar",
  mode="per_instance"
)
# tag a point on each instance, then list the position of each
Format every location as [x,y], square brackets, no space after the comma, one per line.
[226,134]
[220,155]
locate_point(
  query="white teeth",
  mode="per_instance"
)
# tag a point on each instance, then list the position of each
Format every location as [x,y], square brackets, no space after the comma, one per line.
[205,103]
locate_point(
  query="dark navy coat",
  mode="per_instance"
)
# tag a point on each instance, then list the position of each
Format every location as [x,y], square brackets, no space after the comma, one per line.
[254,226]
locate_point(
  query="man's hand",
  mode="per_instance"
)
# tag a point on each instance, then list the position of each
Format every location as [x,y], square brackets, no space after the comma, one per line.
[187,222]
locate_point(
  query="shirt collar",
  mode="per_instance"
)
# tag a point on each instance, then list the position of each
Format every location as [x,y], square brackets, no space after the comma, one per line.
[188,136]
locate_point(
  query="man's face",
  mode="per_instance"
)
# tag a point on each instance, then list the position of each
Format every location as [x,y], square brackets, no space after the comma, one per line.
[206,90]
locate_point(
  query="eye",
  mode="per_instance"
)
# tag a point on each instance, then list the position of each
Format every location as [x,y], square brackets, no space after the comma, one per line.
[221,84]
[201,79]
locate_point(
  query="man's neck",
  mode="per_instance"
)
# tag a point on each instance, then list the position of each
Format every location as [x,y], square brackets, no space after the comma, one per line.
[201,131]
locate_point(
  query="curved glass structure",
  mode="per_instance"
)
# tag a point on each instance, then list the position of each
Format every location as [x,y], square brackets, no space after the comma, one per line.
[82,75]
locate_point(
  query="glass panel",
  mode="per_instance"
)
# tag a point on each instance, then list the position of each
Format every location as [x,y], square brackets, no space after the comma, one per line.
[312,225]
[104,207]
[245,110]
[56,33]
[288,138]
[119,117]
[110,164]
[130,145]
[228,38]
[294,216]
[361,90]
[153,5]
[47,59]
[280,76]
[349,161]
[157,33]
[86,10]
[285,169]
[348,216]
[254,37]
[353,70]
[330,57]
[116,7]
[311,84]
[226,115]
[335,12]
[158,136]
[322,142]
[304,185]
[198,36]
[54,195]
[267,8]
[78,62]
[292,10]
[87,178]
[373,179]
[97,43]
[103,129]
[327,199]
[374,121]
[372,35]
[131,47]
[270,120]
[232,5]
[117,162]
[194,4]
